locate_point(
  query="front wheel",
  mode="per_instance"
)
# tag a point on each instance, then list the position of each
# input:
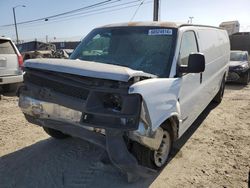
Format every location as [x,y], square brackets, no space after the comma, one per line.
[55,134]
[154,159]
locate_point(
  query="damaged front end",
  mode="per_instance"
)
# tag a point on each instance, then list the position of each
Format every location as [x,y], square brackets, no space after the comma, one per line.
[100,111]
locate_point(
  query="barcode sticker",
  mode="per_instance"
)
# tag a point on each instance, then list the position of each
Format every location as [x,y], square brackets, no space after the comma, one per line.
[160,32]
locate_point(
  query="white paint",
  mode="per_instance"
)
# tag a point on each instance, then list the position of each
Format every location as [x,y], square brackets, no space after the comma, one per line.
[185,97]
[160,96]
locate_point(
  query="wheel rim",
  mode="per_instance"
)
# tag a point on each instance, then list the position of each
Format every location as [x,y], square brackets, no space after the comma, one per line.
[161,155]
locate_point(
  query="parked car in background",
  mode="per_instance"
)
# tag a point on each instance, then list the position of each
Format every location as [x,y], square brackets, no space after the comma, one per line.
[239,67]
[11,63]
[131,88]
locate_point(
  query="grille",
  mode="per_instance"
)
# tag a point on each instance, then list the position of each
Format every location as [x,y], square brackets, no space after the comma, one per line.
[59,87]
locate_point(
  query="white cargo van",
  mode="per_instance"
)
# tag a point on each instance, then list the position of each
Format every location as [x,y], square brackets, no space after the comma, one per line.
[11,63]
[131,88]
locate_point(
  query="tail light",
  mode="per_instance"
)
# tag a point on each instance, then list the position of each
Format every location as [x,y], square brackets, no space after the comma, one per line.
[20,61]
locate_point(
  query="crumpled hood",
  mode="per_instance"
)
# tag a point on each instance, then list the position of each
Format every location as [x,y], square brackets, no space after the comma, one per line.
[236,63]
[86,68]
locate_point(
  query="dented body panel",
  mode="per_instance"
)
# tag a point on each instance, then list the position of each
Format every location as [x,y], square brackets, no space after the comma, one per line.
[160,97]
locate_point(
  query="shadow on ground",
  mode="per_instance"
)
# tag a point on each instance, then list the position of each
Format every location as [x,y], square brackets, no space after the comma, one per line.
[181,142]
[71,163]
[11,93]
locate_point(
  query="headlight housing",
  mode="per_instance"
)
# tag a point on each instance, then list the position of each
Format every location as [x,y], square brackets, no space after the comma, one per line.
[112,102]
[112,110]
[241,67]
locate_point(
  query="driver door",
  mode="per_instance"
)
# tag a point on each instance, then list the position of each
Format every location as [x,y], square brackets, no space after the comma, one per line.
[189,96]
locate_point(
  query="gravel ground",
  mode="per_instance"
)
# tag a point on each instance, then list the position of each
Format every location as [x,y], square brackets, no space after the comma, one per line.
[214,152]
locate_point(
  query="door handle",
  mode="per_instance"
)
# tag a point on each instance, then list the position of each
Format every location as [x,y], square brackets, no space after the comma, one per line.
[200,77]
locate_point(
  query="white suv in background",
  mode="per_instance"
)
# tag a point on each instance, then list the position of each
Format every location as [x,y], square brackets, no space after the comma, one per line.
[11,63]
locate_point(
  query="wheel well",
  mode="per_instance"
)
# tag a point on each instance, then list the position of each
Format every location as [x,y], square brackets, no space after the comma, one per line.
[172,124]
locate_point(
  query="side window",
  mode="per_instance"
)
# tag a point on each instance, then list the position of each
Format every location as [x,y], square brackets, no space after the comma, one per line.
[188,46]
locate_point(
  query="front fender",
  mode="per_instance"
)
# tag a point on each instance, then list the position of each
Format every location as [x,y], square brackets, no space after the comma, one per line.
[160,97]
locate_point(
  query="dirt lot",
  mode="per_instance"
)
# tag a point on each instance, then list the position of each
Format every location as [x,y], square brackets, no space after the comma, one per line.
[213,153]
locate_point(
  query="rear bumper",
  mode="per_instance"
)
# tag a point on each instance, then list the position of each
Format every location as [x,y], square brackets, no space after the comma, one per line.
[11,79]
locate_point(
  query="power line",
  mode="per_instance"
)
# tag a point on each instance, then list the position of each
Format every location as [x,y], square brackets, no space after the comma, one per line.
[103,3]
[85,15]
[118,5]
[136,10]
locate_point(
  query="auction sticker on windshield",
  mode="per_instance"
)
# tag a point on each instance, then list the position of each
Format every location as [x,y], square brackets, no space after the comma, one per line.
[160,32]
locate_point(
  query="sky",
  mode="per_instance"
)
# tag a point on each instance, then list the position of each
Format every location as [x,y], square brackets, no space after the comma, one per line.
[206,12]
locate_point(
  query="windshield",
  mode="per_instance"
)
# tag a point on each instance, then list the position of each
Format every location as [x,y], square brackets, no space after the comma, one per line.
[238,56]
[149,49]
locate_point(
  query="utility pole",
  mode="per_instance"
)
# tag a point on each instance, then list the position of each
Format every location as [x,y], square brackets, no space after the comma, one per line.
[14,14]
[156,10]
[15,25]
[191,19]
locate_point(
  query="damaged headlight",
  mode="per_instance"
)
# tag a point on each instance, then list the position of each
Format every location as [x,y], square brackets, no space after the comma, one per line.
[112,102]
[113,110]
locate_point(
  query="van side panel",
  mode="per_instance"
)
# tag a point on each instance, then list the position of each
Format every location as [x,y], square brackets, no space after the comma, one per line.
[214,44]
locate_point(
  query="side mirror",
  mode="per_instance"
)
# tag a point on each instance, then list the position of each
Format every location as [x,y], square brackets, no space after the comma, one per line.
[196,64]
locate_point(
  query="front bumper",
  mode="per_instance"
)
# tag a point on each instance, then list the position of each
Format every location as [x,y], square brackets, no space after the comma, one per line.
[42,111]
[67,121]
[75,106]
[235,75]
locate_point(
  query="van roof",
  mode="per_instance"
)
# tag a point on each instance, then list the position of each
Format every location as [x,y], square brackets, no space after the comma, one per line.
[4,38]
[155,23]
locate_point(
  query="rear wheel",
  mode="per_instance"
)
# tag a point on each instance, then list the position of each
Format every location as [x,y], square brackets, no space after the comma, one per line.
[154,159]
[218,97]
[246,78]
[55,134]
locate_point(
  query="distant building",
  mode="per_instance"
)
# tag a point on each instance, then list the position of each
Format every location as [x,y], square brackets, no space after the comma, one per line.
[231,27]
[66,45]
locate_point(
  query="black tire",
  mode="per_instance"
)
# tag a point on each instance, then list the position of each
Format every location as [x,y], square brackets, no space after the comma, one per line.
[9,87]
[145,155]
[219,96]
[55,134]
[246,78]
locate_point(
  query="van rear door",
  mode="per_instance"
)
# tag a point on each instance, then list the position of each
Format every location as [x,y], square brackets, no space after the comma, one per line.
[8,58]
